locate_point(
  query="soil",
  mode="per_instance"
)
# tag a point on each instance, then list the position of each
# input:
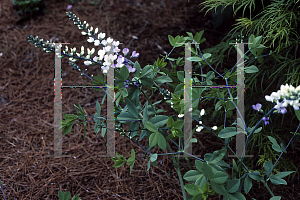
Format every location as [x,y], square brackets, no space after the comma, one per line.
[27,106]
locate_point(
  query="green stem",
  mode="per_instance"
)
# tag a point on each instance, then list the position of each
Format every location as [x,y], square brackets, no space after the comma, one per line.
[269,190]
[176,165]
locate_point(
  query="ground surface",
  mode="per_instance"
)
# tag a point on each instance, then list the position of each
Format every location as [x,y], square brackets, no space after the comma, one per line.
[26,108]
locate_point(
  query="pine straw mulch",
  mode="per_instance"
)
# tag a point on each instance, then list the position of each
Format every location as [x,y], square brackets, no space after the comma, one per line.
[26,109]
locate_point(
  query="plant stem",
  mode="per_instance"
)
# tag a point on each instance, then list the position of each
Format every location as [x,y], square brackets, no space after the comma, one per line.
[176,165]
[266,185]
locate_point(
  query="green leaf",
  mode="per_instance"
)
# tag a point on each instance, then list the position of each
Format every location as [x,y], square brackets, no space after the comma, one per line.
[163,79]
[217,156]
[297,114]
[283,174]
[236,196]
[192,189]
[98,107]
[220,189]
[125,118]
[275,198]
[145,114]
[103,131]
[153,139]
[147,82]
[67,129]
[247,184]
[179,124]
[151,127]
[256,176]
[124,72]
[227,132]
[132,109]
[233,185]
[137,66]
[275,145]
[170,122]
[201,181]
[161,141]
[210,75]
[207,170]
[153,157]
[159,120]
[219,177]
[192,175]
[268,166]
[171,40]
[251,69]
[180,75]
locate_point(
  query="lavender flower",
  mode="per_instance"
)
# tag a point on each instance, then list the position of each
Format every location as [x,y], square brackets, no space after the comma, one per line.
[266,120]
[257,106]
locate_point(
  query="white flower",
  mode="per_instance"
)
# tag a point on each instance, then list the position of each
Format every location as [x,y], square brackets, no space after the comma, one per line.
[90,40]
[82,50]
[96,30]
[109,59]
[120,61]
[105,69]
[180,115]
[97,42]
[101,54]
[199,128]
[87,62]
[200,122]
[202,112]
[109,40]
[116,43]
[90,52]
[107,48]
[72,59]
[214,127]
[101,36]
[104,42]
[116,50]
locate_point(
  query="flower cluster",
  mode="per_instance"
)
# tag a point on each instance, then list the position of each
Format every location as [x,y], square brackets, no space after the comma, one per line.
[107,55]
[287,95]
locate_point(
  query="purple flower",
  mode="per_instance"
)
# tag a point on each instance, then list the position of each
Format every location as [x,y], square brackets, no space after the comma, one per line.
[257,106]
[282,110]
[266,120]
[125,51]
[135,54]
[130,69]
[69,7]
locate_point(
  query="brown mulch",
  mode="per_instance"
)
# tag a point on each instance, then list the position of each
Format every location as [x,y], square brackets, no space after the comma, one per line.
[26,108]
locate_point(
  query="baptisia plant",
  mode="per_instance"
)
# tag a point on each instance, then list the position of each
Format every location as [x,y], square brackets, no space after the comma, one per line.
[210,174]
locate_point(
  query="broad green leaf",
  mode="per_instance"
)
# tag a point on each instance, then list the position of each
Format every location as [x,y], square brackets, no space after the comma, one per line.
[137,67]
[67,129]
[163,79]
[210,75]
[192,175]
[124,72]
[251,69]
[198,165]
[125,118]
[170,122]
[103,131]
[275,145]
[217,156]
[256,176]
[227,132]
[201,181]
[236,196]
[233,185]
[153,157]
[159,120]
[178,124]
[219,177]
[161,141]
[147,82]
[153,139]
[132,109]
[278,181]
[207,170]
[193,189]
[151,127]
[145,113]
[247,184]
[171,40]
[283,174]
[297,114]
[220,189]
[268,166]
[275,198]
[180,75]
